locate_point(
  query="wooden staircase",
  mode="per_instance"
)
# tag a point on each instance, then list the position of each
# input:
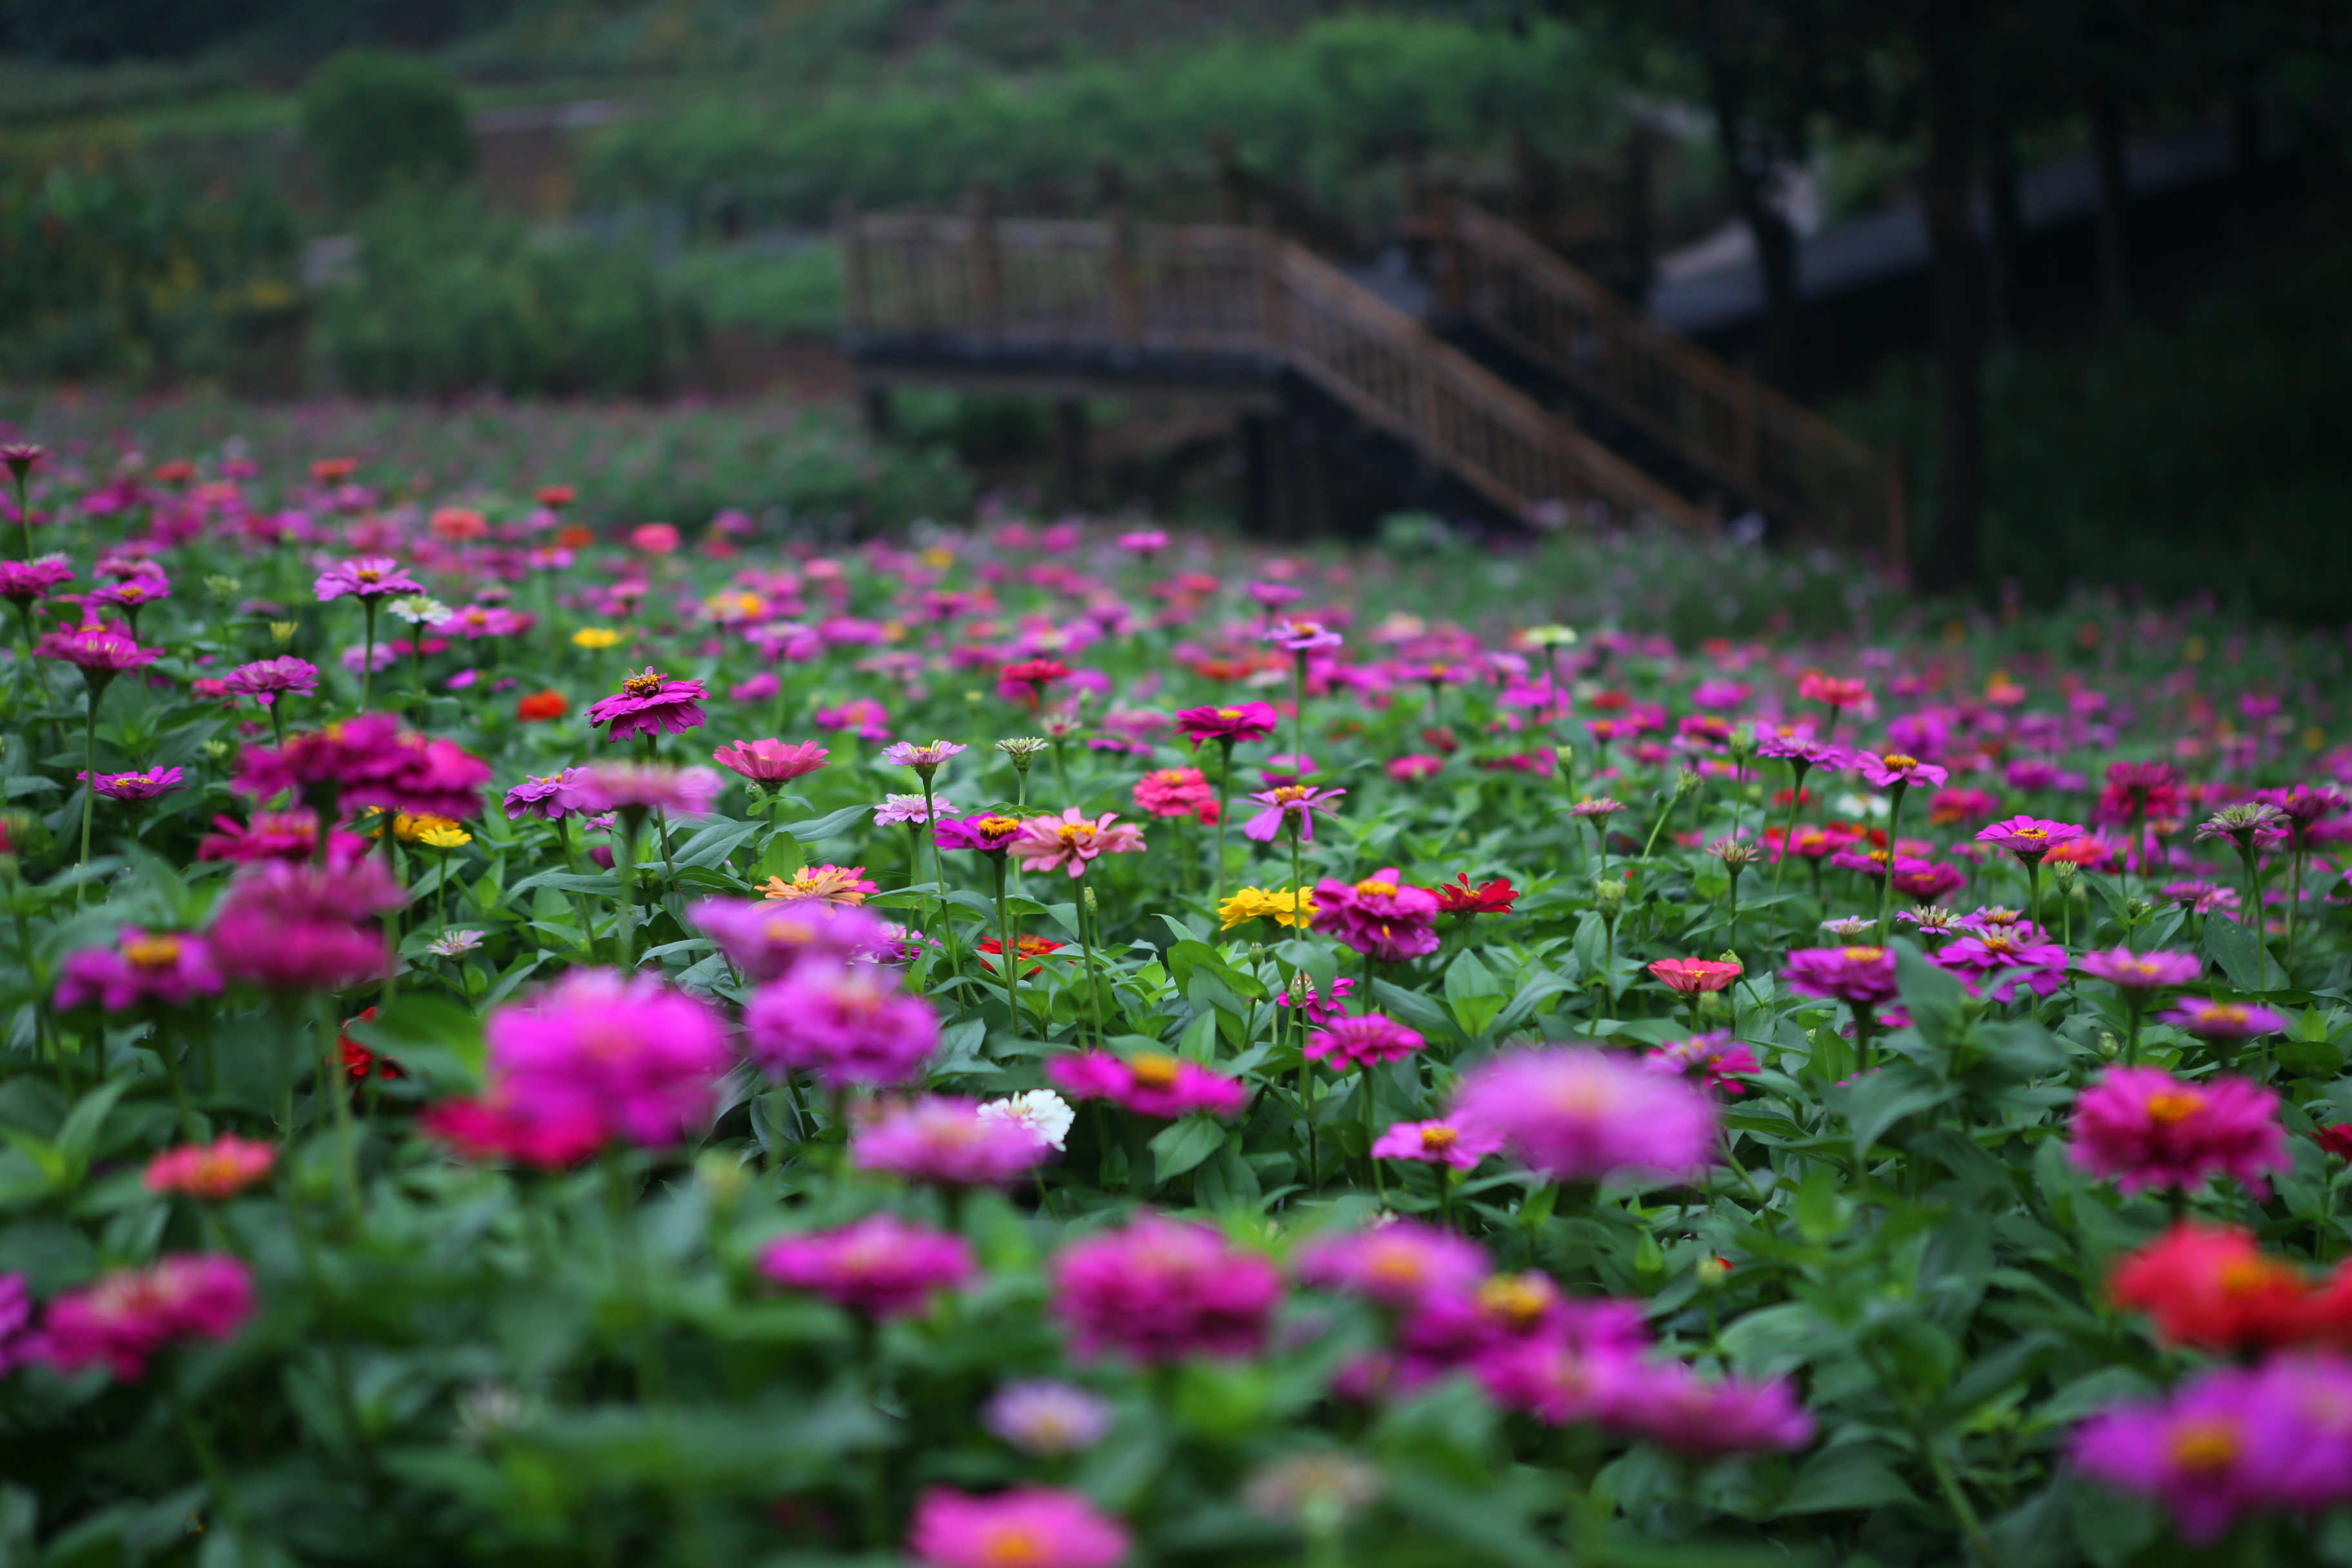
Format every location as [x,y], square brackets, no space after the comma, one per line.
[1821,485]
[976,288]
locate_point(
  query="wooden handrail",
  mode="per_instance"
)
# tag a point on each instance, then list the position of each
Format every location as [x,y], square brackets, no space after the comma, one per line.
[989,283]
[1783,456]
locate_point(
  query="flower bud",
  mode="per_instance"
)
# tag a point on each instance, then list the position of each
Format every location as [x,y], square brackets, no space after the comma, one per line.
[1609,893]
[1712,1272]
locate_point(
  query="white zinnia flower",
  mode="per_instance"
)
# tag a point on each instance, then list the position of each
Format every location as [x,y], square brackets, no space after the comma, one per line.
[1041,1111]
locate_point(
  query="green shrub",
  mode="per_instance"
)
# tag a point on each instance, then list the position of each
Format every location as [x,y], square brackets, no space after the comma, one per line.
[2203,458]
[375,118]
[796,293]
[1332,109]
[446,298]
[107,269]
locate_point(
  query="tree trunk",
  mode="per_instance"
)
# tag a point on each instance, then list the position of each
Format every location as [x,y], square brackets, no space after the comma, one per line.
[2005,227]
[1950,37]
[1750,173]
[2246,160]
[2107,154]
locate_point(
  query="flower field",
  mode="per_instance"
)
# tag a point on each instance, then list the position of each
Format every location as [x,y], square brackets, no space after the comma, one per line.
[1044,1046]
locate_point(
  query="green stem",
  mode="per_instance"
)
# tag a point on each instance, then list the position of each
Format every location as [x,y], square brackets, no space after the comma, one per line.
[1224,810]
[624,866]
[2255,921]
[332,1084]
[90,775]
[1086,934]
[1797,769]
[629,1265]
[1008,954]
[1886,886]
[367,658]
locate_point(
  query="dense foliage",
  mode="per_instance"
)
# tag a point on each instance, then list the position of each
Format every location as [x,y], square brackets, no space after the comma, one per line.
[375,120]
[573,1070]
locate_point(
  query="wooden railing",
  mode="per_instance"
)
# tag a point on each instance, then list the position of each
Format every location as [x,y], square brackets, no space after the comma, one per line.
[981,284]
[1832,488]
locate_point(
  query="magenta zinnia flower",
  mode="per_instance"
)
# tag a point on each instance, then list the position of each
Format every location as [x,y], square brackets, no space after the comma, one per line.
[1149,1083]
[1292,807]
[134,786]
[1862,976]
[26,581]
[1578,1114]
[124,1320]
[1441,1142]
[1895,768]
[988,833]
[1032,1527]
[548,796]
[1675,1408]
[1381,916]
[881,1266]
[2040,965]
[289,926]
[841,1024]
[1071,841]
[769,939]
[1711,1058]
[946,1142]
[771,761]
[165,968]
[2142,1127]
[264,678]
[1362,1041]
[1396,1264]
[2130,971]
[2029,837]
[624,1058]
[101,652]
[367,577]
[1160,1290]
[650,703]
[1242,721]
[2232,1441]
[644,786]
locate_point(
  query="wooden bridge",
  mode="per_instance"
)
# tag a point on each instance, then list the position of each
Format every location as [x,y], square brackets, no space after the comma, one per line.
[1070,309]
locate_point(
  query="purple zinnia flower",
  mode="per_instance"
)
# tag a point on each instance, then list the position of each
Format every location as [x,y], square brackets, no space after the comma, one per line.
[1362,1041]
[1863,976]
[881,1266]
[769,939]
[547,796]
[2142,1127]
[2224,1021]
[2029,837]
[367,577]
[1895,768]
[264,678]
[1441,1142]
[2132,971]
[1711,1058]
[1044,1418]
[1381,916]
[134,786]
[841,1024]
[1160,1290]
[1290,805]
[1396,1264]
[169,968]
[946,1142]
[621,786]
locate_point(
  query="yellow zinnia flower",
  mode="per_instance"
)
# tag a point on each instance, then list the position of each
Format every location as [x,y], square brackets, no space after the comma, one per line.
[595,637]
[1288,906]
[440,834]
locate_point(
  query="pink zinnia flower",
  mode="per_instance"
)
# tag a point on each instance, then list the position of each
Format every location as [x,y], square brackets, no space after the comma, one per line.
[2225,1021]
[988,833]
[1290,805]
[1174,792]
[1319,1009]
[1381,916]
[2142,1127]
[367,577]
[946,1142]
[1837,691]
[1414,768]
[1442,1141]
[2040,965]
[1578,1114]
[925,760]
[1362,1041]
[140,786]
[1675,1407]
[1071,841]
[124,1320]
[881,1266]
[1302,635]
[1693,976]
[2230,1442]
[1149,1083]
[898,810]
[1241,722]
[769,939]
[771,761]
[1711,1058]
[644,786]
[1557,1382]
[100,652]
[841,1024]
[2029,837]
[1032,1527]
[221,1169]
[651,703]
[1160,1290]
[1396,1264]
[167,969]
[1045,1417]
[548,796]
[1862,976]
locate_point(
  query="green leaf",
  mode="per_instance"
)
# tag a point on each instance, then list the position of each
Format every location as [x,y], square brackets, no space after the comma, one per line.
[1473,992]
[1881,1099]
[1854,1477]
[1180,1145]
[832,825]
[2231,946]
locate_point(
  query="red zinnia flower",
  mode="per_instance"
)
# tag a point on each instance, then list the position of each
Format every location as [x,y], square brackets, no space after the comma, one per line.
[1690,976]
[1030,946]
[358,1061]
[1459,898]
[541,706]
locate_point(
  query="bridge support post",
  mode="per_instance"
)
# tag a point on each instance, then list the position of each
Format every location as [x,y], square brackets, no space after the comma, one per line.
[1070,452]
[881,417]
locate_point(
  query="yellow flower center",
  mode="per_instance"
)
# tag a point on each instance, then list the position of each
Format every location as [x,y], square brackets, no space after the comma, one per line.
[2174,1106]
[1229,712]
[369,575]
[1512,1299]
[1153,1070]
[1282,794]
[2206,1445]
[1434,1140]
[2031,833]
[1014,1546]
[1864,954]
[152,951]
[1376,889]
[1075,832]
[2225,1013]
[644,685]
[1897,759]
[997,826]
